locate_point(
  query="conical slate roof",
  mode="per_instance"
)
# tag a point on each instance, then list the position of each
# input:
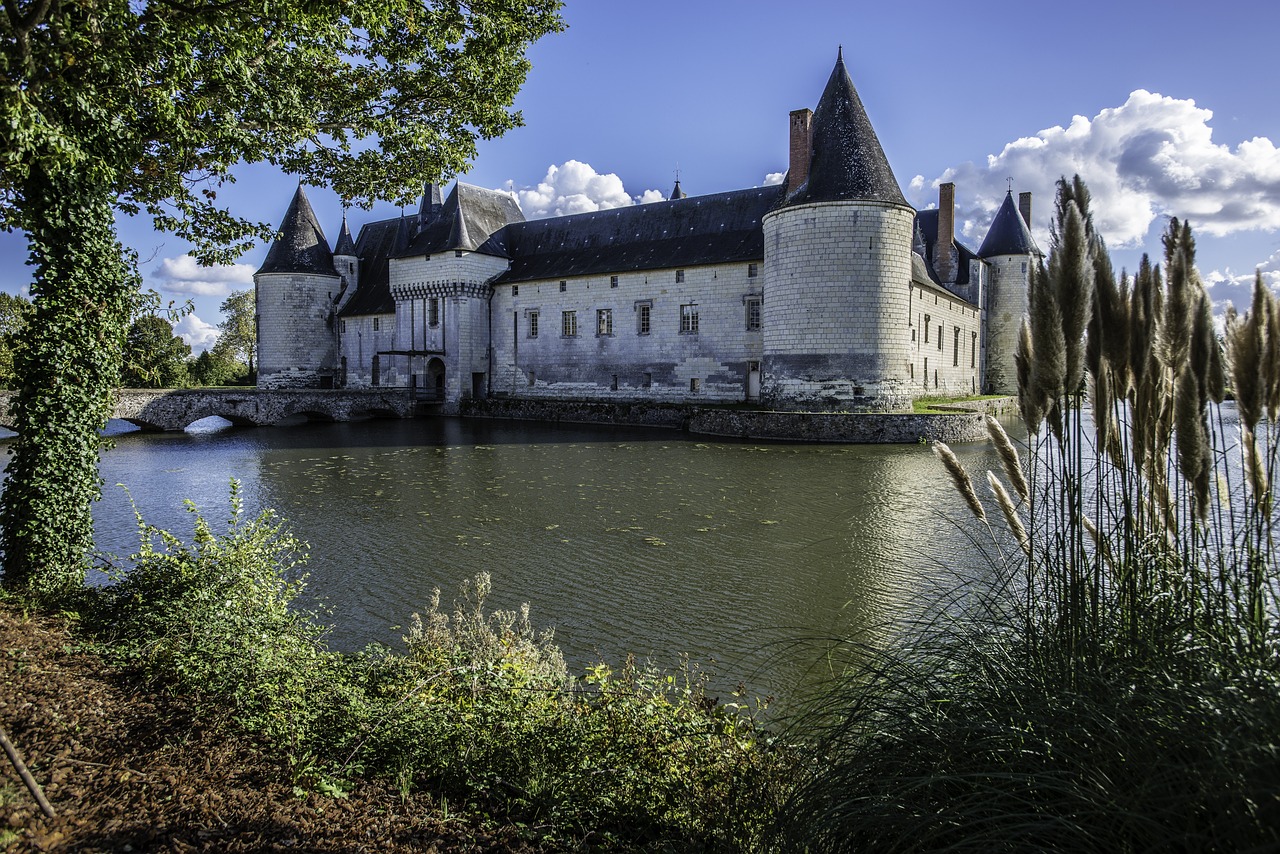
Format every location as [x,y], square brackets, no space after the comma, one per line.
[1009,234]
[847,161]
[301,246]
[346,246]
[678,193]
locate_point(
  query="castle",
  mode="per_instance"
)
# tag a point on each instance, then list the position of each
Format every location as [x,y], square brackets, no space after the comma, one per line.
[825,292]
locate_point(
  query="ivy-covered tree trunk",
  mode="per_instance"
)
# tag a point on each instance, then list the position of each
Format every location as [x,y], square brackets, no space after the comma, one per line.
[67,375]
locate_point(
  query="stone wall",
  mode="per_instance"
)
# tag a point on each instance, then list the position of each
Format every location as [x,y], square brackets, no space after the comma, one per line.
[611,356]
[296,333]
[1006,305]
[836,318]
[937,367]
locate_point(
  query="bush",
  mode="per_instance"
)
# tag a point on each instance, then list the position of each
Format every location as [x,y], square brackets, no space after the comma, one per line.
[478,708]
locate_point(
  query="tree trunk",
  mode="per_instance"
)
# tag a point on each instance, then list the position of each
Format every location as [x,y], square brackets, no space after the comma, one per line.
[66,375]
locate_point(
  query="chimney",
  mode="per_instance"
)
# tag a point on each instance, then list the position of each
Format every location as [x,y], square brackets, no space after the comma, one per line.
[1024,207]
[801,149]
[943,260]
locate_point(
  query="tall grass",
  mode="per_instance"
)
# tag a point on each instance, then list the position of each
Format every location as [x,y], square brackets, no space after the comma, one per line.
[1118,687]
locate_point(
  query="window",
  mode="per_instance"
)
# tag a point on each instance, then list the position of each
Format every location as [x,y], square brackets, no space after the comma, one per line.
[342,326]
[689,319]
[679,276]
[695,385]
[927,319]
[604,321]
[433,311]
[939,337]
[377,322]
[753,270]
[643,312]
[533,324]
[564,286]
[613,386]
[926,371]
[753,313]
[647,382]
[569,324]
[515,290]
[613,281]
[533,378]
[973,350]
[955,355]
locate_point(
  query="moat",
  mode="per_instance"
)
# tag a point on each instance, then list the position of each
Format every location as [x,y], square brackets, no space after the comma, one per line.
[625,540]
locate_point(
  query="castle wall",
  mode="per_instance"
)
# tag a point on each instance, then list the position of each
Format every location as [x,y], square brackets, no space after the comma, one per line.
[296,336]
[361,340]
[1006,305]
[836,315]
[612,356]
[947,343]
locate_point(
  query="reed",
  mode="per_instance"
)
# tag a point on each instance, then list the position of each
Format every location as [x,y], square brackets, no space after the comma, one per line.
[1117,686]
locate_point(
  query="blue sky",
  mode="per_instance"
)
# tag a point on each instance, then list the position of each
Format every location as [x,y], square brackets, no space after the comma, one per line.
[1164,109]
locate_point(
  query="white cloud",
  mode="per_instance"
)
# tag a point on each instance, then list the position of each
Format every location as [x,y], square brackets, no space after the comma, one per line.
[1149,158]
[184,275]
[196,332]
[774,178]
[1230,286]
[575,187]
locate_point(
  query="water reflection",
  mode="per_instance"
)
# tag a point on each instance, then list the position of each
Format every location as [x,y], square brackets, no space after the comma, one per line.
[627,541]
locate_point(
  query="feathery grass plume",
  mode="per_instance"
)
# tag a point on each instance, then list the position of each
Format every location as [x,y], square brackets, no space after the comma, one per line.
[1244,349]
[1009,459]
[1179,310]
[1029,403]
[960,477]
[1206,340]
[1270,366]
[1255,470]
[1071,282]
[1010,513]
[1115,326]
[1099,391]
[1194,458]
[1146,310]
[1049,350]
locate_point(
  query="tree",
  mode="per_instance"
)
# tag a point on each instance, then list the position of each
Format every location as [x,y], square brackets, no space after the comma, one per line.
[153,356]
[238,332]
[14,311]
[217,366]
[129,105]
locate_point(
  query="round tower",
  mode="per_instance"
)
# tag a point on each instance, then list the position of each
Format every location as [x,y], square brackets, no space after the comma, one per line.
[838,266]
[296,286]
[346,263]
[1010,251]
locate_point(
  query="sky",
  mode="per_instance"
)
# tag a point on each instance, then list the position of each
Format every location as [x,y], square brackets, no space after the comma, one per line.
[1164,109]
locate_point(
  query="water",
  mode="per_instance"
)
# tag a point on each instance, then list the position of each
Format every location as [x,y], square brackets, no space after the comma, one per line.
[646,542]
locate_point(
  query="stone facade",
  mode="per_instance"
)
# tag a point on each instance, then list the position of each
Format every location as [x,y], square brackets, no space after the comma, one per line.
[826,293]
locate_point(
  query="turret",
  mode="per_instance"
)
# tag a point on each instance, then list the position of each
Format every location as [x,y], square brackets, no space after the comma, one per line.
[346,263]
[678,193]
[838,266]
[1010,250]
[296,286]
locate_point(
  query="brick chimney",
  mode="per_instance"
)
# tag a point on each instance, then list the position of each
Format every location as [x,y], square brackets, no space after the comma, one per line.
[801,149]
[1024,207]
[943,260]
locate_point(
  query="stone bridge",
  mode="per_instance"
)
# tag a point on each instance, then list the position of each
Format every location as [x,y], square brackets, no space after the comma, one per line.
[168,409]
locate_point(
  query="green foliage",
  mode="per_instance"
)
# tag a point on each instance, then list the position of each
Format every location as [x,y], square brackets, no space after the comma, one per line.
[238,332]
[153,356]
[478,709]
[1117,687]
[14,311]
[143,105]
[217,366]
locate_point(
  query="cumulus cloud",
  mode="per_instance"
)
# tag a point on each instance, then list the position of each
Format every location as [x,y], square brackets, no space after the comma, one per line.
[774,178]
[184,275]
[1233,286]
[196,332]
[1152,157]
[575,187]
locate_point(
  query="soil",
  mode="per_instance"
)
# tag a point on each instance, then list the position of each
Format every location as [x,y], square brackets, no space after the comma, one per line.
[127,769]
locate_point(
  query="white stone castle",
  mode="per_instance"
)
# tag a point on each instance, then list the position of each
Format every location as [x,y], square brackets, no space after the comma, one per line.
[827,292]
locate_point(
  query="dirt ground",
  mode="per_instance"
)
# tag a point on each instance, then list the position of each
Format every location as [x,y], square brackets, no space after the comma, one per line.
[129,770]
